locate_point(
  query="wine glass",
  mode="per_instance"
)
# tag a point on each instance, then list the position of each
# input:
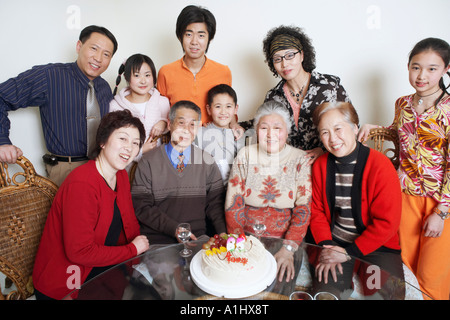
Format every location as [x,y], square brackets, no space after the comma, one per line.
[184,234]
[259,227]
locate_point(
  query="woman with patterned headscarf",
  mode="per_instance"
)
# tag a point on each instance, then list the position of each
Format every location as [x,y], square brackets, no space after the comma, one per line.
[290,55]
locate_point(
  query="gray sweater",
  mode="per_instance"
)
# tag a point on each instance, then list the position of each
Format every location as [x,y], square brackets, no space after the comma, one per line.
[163,197]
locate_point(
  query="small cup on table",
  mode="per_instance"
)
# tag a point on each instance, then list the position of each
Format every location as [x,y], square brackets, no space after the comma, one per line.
[325,296]
[300,295]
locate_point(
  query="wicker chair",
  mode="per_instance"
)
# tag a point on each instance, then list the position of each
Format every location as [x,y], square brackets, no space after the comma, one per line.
[386,141]
[25,200]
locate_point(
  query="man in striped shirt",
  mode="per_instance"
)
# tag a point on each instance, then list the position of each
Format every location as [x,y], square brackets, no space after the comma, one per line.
[60,91]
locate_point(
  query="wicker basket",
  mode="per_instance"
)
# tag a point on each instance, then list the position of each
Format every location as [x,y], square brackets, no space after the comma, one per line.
[25,200]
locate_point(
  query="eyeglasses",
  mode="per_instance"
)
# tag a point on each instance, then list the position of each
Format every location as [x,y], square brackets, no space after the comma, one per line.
[287,56]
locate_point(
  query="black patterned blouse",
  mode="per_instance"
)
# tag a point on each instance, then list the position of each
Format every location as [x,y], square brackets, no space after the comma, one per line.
[322,88]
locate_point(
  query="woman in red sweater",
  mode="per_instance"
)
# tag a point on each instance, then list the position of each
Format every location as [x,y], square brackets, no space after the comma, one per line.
[356,202]
[91,224]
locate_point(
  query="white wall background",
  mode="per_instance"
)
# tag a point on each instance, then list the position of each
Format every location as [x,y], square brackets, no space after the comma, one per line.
[364,42]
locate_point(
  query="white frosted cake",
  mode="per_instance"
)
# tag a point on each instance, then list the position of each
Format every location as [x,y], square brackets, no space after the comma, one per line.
[233,260]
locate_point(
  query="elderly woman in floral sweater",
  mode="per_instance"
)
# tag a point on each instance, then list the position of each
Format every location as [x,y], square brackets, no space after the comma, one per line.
[271,182]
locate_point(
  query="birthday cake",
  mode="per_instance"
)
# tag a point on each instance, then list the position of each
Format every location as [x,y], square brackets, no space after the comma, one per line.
[232,259]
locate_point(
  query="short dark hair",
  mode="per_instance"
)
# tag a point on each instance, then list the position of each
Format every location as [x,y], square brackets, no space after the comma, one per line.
[195,14]
[132,65]
[184,104]
[85,34]
[309,54]
[113,121]
[220,89]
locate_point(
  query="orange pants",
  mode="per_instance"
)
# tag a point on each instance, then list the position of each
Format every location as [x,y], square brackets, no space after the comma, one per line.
[428,258]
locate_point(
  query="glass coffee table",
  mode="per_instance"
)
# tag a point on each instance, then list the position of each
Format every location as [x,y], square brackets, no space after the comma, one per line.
[162,274]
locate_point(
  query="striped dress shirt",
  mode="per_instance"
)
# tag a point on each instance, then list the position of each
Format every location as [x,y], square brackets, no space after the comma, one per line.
[60,91]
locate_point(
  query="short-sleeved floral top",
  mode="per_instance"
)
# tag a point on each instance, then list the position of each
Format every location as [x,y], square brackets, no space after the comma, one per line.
[322,88]
[424,149]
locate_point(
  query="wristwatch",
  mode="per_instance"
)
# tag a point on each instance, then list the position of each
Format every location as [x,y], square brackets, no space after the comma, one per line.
[289,246]
[443,215]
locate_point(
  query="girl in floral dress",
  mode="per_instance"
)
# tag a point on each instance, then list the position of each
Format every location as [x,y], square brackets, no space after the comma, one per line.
[422,121]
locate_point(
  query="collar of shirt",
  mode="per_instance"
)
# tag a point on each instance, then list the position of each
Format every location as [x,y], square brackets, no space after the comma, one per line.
[315,79]
[204,67]
[173,154]
[80,76]
[213,125]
